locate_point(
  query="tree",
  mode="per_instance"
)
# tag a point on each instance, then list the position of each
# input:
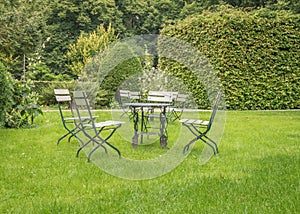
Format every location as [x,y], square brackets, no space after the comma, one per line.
[6,93]
[22,26]
[87,46]
[67,19]
[147,17]
[93,56]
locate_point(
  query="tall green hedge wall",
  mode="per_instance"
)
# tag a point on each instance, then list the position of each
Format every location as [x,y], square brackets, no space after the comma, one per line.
[255,54]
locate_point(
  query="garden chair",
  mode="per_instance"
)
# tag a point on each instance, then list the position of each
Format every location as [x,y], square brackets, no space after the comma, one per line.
[93,130]
[176,110]
[69,121]
[122,96]
[135,96]
[200,128]
[158,97]
[126,96]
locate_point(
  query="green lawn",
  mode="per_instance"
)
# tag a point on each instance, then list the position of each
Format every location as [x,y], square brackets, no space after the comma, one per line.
[256,171]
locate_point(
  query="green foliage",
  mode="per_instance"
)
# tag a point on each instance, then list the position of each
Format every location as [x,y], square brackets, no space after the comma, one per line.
[22,26]
[67,19]
[255,54]
[6,92]
[46,90]
[43,30]
[25,108]
[94,57]
[147,17]
[87,46]
[41,72]
[36,35]
[112,81]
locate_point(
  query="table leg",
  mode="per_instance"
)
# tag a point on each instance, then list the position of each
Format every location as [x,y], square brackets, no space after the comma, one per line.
[163,133]
[135,124]
[143,125]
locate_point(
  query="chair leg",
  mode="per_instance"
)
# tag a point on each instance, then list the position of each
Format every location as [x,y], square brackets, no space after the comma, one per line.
[62,137]
[109,136]
[104,141]
[65,135]
[199,135]
[73,134]
[176,115]
[187,146]
[211,146]
[94,149]
[115,148]
[81,147]
[101,145]
[216,150]
[91,140]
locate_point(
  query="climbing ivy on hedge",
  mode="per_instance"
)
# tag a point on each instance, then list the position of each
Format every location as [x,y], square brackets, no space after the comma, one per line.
[255,54]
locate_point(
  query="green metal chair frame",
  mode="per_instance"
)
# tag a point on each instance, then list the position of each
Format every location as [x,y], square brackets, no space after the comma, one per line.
[83,108]
[200,128]
[127,96]
[69,121]
[177,109]
[159,97]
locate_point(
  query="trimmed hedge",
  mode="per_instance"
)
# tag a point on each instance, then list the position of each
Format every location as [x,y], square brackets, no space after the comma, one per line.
[255,54]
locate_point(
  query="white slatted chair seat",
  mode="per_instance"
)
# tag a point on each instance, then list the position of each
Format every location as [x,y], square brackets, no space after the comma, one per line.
[104,124]
[195,122]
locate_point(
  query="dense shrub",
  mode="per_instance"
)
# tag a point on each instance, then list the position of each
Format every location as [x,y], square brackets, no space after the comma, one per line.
[25,106]
[255,54]
[6,92]
[46,90]
[94,57]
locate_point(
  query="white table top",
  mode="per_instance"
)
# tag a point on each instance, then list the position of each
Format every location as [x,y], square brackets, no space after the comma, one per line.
[147,104]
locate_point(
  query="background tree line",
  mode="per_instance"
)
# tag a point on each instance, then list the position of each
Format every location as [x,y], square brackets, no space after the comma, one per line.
[35,35]
[253,45]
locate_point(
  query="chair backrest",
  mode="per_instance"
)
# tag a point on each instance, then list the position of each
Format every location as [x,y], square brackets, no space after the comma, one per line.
[124,93]
[134,96]
[63,96]
[215,108]
[83,109]
[180,100]
[122,96]
[126,96]
[161,96]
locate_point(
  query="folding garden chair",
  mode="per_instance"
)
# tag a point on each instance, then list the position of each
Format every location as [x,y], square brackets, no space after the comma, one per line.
[122,96]
[69,121]
[160,97]
[176,110]
[93,129]
[135,96]
[126,96]
[200,128]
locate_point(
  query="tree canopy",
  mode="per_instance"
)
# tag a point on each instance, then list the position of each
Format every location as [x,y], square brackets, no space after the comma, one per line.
[37,34]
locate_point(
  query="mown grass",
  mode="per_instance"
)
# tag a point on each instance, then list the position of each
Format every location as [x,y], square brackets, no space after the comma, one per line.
[256,171]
